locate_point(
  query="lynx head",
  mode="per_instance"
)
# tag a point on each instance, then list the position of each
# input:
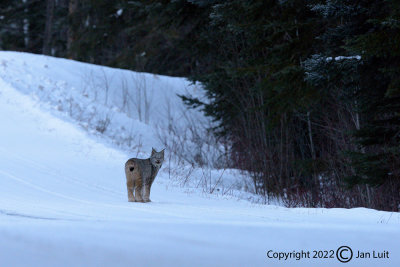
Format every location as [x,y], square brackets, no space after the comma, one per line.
[157,158]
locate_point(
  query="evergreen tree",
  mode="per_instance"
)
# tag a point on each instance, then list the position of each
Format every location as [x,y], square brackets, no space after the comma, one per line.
[378,162]
[153,36]
[16,23]
[23,26]
[358,67]
[256,86]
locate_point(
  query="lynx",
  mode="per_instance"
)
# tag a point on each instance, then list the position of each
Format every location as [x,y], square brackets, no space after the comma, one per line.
[140,174]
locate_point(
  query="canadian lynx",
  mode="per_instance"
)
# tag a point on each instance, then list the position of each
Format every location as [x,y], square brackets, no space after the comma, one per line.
[140,174]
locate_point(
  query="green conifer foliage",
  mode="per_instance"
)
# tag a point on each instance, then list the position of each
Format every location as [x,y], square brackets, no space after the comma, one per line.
[257,89]
[378,160]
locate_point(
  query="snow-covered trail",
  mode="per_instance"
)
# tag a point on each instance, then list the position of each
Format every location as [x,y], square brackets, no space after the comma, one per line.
[63,203]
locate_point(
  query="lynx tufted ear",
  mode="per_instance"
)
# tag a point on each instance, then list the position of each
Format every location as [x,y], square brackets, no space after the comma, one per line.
[162,151]
[153,151]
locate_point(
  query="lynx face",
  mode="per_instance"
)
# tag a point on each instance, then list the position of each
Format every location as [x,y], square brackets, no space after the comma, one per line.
[157,158]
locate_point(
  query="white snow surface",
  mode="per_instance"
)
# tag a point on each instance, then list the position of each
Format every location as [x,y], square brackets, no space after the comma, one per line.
[63,196]
[338,58]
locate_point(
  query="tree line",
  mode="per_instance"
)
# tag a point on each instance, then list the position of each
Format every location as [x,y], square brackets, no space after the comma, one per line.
[304,93]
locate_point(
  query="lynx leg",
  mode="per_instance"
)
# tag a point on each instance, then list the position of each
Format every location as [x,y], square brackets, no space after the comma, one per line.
[138,190]
[129,186]
[129,183]
[147,193]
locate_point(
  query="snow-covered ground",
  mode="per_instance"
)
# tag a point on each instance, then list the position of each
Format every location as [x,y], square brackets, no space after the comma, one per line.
[63,197]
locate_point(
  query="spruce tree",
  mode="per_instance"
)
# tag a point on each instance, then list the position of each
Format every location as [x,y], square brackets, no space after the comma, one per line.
[358,66]
[378,162]
[256,87]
